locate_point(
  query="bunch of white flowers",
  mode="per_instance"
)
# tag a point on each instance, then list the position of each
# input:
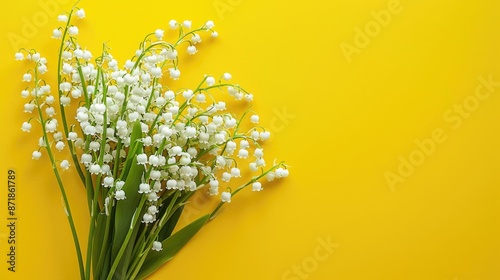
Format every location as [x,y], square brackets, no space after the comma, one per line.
[141,148]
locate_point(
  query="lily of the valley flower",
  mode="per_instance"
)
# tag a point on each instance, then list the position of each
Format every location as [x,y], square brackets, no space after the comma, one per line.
[157,246]
[65,164]
[226,197]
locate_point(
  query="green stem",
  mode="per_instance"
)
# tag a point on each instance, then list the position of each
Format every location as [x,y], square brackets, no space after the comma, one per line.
[151,95]
[95,202]
[104,248]
[119,144]
[90,243]
[60,184]
[157,117]
[84,86]
[239,123]
[61,107]
[254,179]
[179,41]
[222,85]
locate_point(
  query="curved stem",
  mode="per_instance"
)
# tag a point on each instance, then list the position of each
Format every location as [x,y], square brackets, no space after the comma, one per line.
[61,106]
[95,201]
[254,179]
[61,186]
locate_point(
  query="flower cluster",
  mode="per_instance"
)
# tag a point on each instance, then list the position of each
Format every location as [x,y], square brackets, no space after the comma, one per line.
[128,118]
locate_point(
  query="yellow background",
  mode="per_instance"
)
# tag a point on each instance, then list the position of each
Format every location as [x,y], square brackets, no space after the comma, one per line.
[347,125]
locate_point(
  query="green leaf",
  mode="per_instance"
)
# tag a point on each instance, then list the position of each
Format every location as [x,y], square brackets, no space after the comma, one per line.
[104,234]
[136,253]
[171,246]
[133,149]
[126,259]
[125,209]
[98,239]
[105,268]
[168,228]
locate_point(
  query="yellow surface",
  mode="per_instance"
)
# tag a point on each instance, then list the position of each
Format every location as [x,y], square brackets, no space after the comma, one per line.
[348,120]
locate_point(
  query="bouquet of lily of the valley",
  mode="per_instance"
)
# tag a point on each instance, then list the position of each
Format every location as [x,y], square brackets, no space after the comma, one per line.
[140,148]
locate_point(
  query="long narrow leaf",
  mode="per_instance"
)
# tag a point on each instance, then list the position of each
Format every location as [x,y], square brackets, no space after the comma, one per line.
[167,230]
[133,149]
[169,227]
[171,246]
[125,209]
[125,262]
[105,268]
[98,239]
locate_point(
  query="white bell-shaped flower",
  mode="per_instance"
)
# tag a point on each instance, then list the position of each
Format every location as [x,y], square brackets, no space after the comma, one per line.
[157,246]
[120,195]
[226,197]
